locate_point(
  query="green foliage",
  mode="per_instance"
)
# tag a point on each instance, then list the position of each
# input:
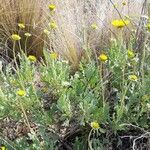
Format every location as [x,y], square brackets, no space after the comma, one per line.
[102,92]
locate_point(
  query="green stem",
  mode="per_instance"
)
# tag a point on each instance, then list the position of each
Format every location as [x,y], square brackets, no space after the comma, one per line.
[102,86]
[123,101]
[24,113]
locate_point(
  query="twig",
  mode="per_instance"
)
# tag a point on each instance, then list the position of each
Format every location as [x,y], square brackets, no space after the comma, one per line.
[125,124]
[128,136]
[146,135]
[89,142]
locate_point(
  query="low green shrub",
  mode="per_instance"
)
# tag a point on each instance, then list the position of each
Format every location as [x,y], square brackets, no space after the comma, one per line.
[102,98]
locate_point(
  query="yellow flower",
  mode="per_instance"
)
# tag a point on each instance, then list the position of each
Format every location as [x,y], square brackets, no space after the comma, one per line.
[21,93]
[32,58]
[103,57]
[53,25]
[15,37]
[46,31]
[94,26]
[124,3]
[120,23]
[3,147]
[130,54]
[27,34]
[21,25]
[133,77]
[53,55]
[51,7]
[94,125]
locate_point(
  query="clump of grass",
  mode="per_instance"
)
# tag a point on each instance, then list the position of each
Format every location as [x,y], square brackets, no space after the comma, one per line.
[32,17]
[73,32]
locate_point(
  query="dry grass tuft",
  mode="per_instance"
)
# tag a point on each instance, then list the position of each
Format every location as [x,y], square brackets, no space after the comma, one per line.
[28,12]
[74,19]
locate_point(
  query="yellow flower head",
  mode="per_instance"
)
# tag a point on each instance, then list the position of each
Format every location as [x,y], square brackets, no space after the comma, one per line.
[53,25]
[32,58]
[103,57]
[27,34]
[15,37]
[94,26]
[21,93]
[46,31]
[130,54]
[3,147]
[94,125]
[124,3]
[120,23]
[21,25]
[133,77]
[51,7]
[53,55]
